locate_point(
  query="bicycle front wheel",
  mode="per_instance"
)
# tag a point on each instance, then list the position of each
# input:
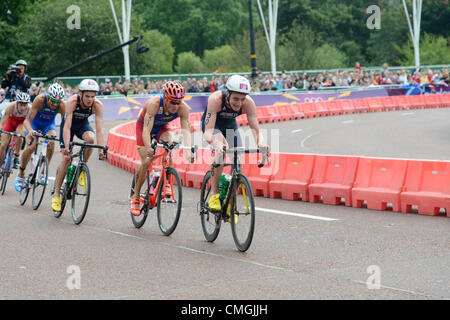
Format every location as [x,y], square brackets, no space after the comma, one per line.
[210,222]
[81,191]
[40,183]
[23,195]
[169,202]
[5,172]
[242,213]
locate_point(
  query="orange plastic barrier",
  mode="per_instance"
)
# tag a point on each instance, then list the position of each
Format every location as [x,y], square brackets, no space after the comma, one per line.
[390,104]
[427,187]
[196,171]
[295,110]
[361,105]
[444,100]
[259,177]
[379,183]
[321,108]
[332,179]
[285,112]
[334,107]
[267,114]
[293,176]
[375,104]
[348,106]
[402,102]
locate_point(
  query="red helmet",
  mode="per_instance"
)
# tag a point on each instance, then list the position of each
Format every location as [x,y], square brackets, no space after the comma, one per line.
[173,91]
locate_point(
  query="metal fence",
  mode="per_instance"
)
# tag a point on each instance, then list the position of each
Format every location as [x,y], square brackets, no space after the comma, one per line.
[73,81]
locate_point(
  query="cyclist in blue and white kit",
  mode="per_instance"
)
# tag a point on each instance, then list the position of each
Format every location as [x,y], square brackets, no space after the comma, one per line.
[41,119]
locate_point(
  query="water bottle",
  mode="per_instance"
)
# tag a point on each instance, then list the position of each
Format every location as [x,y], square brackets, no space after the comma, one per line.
[224,182]
[153,180]
[70,172]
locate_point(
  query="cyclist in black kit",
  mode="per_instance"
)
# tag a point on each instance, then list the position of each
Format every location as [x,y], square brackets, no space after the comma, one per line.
[219,124]
[78,109]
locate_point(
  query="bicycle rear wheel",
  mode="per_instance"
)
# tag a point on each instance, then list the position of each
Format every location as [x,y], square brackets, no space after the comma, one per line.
[81,193]
[40,183]
[210,221]
[169,202]
[138,221]
[242,214]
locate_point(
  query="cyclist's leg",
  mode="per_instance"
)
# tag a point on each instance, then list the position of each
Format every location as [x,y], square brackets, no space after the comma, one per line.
[4,144]
[26,154]
[19,141]
[51,131]
[61,171]
[85,132]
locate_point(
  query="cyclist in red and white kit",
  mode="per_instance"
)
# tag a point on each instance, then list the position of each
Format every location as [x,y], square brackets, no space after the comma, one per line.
[12,121]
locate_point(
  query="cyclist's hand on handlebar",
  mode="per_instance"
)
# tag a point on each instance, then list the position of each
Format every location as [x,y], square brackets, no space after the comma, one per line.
[101,154]
[65,152]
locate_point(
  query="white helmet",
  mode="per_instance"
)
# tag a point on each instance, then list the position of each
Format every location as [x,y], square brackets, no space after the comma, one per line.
[88,85]
[239,84]
[23,97]
[55,91]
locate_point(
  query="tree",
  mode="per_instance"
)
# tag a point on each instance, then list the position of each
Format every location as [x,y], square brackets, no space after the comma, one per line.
[226,58]
[433,50]
[188,62]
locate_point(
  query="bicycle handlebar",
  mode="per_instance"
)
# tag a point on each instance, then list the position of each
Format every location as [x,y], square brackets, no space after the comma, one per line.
[46,137]
[264,151]
[88,145]
[173,145]
[13,134]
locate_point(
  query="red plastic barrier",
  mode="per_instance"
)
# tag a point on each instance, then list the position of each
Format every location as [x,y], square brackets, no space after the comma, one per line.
[390,104]
[415,102]
[293,176]
[285,112]
[334,107]
[361,105]
[432,101]
[427,187]
[402,102]
[321,108]
[267,114]
[348,106]
[444,100]
[379,182]
[295,110]
[259,177]
[195,120]
[197,170]
[375,104]
[332,179]
[242,120]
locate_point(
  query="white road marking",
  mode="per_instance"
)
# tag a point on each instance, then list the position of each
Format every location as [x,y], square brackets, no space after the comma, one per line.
[398,289]
[295,131]
[408,113]
[348,121]
[301,215]
[302,144]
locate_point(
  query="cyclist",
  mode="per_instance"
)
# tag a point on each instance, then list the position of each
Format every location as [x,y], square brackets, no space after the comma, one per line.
[78,109]
[41,118]
[152,124]
[220,128]
[12,121]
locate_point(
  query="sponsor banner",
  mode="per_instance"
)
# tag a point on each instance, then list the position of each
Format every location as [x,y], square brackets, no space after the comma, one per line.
[129,107]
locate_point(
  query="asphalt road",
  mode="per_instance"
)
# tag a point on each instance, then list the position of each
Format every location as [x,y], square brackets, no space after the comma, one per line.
[354,254]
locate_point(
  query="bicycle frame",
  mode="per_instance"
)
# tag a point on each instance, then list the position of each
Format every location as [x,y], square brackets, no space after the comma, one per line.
[167,160]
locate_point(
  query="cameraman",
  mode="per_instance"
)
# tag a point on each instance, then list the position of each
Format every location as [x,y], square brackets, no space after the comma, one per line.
[16,79]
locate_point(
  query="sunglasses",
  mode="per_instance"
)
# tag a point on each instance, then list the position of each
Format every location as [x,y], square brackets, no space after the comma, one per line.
[54,100]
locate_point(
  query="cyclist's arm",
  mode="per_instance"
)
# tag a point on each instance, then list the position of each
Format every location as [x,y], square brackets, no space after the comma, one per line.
[100,136]
[214,104]
[250,110]
[37,104]
[185,125]
[151,109]
[69,109]
[8,112]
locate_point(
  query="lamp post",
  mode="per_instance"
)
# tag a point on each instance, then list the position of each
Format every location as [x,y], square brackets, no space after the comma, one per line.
[126,21]
[252,42]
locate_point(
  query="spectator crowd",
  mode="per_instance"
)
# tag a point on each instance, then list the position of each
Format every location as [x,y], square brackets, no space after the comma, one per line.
[356,77]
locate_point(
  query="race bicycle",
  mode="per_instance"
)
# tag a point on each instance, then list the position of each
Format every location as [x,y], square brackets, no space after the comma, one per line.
[77,184]
[7,164]
[165,193]
[37,177]
[238,207]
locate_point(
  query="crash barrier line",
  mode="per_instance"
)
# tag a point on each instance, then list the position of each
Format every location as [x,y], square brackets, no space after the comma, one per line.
[400,185]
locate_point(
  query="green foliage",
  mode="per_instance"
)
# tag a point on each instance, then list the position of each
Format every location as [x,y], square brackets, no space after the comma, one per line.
[433,50]
[188,62]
